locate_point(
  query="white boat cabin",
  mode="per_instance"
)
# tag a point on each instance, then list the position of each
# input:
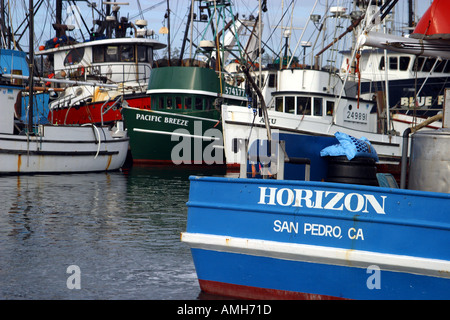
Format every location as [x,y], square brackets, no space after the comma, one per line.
[125,61]
[400,66]
[315,94]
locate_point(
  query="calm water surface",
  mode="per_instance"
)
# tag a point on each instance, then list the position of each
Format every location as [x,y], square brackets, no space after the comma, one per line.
[122,230]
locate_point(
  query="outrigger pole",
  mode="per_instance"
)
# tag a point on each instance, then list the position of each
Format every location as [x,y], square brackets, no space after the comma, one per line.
[31,66]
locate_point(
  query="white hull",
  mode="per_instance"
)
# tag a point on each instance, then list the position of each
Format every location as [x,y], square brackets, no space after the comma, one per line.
[237,123]
[63,149]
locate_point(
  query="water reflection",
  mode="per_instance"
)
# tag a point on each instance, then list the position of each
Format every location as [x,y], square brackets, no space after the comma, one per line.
[122,229]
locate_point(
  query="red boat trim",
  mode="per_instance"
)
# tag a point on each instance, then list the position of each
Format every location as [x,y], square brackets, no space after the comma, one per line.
[254,293]
[233,167]
[409,122]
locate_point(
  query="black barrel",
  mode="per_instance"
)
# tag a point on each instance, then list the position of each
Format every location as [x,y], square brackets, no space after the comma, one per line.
[359,170]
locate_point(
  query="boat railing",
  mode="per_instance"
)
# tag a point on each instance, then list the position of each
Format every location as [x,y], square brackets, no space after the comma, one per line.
[116,103]
[271,162]
[128,75]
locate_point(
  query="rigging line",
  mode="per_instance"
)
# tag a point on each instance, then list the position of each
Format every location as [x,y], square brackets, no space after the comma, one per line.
[303,32]
[181,19]
[268,24]
[35,9]
[281,19]
[252,125]
[47,16]
[11,24]
[140,9]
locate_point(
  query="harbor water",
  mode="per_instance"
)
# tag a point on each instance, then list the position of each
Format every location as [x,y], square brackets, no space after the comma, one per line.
[96,236]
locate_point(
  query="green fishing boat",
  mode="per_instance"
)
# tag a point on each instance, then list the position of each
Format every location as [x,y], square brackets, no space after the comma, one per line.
[183,124]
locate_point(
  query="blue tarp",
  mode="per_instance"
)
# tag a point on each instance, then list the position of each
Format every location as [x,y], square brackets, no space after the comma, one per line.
[350,147]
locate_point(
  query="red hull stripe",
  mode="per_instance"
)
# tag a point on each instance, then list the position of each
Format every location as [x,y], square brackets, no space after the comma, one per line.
[246,292]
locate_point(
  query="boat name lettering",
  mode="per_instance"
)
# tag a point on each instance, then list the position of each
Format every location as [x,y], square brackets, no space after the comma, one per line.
[271,120]
[320,199]
[421,101]
[154,118]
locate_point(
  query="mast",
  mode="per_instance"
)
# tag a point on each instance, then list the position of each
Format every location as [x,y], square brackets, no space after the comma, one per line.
[411,15]
[58,17]
[7,39]
[189,21]
[260,54]
[31,66]
[3,25]
[168,34]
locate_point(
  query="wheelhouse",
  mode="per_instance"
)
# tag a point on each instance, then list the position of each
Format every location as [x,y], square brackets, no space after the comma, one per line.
[125,60]
[305,105]
[182,102]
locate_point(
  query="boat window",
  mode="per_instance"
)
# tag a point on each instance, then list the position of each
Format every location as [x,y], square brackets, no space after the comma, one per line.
[141,54]
[330,108]
[98,54]
[74,56]
[404,63]
[304,105]
[208,104]
[428,65]
[150,54]
[112,54]
[161,103]
[169,103]
[279,104]
[418,63]
[381,65]
[198,104]
[317,106]
[364,60]
[272,80]
[393,63]
[178,103]
[262,81]
[440,66]
[188,102]
[289,106]
[127,53]
[447,67]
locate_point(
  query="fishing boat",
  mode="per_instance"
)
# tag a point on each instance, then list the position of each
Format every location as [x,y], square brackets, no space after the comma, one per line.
[26,148]
[63,149]
[182,125]
[275,238]
[286,239]
[312,101]
[90,79]
[406,82]
[183,119]
[268,236]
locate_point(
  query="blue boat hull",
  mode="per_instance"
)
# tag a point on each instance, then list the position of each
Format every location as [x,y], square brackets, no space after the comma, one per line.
[401,90]
[263,239]
[257,277]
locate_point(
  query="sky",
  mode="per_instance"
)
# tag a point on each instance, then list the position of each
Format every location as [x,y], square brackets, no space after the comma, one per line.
[154,11]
